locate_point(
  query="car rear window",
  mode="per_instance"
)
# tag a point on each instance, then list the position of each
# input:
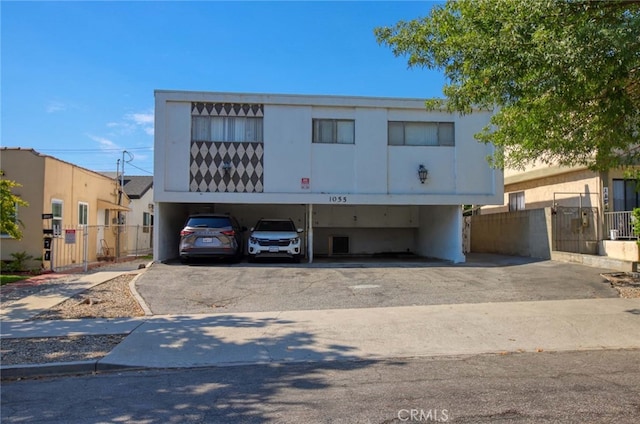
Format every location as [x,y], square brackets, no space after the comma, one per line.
[275,226]
[208,222]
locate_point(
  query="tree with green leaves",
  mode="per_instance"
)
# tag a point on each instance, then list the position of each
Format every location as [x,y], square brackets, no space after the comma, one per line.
[9,202]
[563,76]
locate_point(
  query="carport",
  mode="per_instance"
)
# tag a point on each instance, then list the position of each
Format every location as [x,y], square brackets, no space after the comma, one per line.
[336,230]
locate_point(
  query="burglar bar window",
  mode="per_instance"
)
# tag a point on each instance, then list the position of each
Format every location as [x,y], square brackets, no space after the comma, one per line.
[334,131]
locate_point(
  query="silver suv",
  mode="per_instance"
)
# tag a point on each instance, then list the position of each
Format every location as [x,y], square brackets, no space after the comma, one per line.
[275,238]
[211,236]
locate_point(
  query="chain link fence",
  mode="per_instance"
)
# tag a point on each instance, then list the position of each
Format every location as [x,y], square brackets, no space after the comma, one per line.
[81,246]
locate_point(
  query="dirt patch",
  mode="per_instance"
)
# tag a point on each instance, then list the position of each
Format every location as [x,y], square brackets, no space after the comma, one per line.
[627,283]
[111,299]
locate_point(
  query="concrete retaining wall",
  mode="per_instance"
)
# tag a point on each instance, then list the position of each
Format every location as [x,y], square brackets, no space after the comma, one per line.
[626,250]
[520,233]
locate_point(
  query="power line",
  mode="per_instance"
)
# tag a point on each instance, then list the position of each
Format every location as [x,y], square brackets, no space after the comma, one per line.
[91,150]
[143,170]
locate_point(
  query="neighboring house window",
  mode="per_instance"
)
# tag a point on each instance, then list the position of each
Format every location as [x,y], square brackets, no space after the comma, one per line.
[421,133]
[147,221]
[625,195]
[107,218]
[226,128]
[14,218]
[516,201]
[56,223]
[334,131]
[83,213]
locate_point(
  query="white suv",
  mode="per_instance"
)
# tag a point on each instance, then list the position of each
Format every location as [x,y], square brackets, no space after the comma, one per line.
[275,238]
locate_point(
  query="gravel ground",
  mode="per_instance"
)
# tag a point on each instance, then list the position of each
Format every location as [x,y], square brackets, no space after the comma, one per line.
[627,283]
[111,299]
[56,349]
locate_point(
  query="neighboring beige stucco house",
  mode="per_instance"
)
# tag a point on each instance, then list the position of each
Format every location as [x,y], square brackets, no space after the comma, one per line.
[609,196]
[79,199]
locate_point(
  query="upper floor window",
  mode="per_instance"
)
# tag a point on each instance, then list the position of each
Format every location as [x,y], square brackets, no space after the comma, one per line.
[340,131]
[516,201]
[226,128]
[421,133]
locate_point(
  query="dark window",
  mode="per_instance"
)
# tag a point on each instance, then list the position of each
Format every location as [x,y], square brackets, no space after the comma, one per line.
[516,201]
[208,222]
[275,226]
[625,195]
[340,245]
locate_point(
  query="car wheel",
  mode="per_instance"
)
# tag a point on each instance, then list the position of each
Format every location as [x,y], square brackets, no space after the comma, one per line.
[251,258]
[296,259]
[184,260]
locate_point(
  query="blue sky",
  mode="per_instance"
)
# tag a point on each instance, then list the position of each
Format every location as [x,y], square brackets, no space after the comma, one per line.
[78,77]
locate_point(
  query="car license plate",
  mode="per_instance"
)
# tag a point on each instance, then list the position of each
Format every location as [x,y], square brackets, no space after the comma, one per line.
[210,241]
[273,249]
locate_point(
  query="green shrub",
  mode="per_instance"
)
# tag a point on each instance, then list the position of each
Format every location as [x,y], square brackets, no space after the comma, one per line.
[19,262]
[635,221]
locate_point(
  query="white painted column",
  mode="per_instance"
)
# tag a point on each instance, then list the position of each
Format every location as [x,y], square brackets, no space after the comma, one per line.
[310,232]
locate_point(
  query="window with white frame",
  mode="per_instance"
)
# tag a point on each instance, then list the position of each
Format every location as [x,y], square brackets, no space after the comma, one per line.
[226,128]
[336,131]
[83,213]
[56,210]
[405,133]
[516,201]
[147,221]
[14,218]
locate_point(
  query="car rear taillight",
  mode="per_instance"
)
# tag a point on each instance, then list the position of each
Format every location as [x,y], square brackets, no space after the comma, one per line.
[185,233]
[229,233]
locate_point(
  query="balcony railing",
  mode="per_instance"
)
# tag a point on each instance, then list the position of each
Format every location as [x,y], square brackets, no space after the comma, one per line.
[622,223]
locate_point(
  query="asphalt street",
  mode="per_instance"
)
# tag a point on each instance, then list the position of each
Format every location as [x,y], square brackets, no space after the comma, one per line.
[569,387]
[174,288]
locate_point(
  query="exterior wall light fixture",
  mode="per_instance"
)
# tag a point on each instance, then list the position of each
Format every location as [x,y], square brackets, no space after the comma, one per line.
[423,173]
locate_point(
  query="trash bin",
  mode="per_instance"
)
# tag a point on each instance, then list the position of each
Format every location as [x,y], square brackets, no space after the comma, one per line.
[614,234]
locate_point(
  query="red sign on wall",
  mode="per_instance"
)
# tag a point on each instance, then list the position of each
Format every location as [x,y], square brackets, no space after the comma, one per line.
[304,183]
[70,236]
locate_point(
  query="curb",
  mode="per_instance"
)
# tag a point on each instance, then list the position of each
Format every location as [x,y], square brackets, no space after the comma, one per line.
[52,369]
[14,372]
[136,295]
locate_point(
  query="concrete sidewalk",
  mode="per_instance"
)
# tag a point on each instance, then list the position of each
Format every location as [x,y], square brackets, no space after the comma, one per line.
[348,334]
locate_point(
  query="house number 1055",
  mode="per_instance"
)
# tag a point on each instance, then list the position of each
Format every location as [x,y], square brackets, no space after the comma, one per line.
[338,199]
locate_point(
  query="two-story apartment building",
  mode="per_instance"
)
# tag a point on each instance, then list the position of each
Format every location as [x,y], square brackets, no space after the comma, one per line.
[362,176]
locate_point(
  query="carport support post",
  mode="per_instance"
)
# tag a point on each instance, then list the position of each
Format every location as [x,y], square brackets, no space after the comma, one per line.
[310,232]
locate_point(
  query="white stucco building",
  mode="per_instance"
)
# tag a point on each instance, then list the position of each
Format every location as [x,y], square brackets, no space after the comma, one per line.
[343,168]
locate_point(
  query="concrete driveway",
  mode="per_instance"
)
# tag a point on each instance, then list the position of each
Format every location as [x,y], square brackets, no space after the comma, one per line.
[174,288]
